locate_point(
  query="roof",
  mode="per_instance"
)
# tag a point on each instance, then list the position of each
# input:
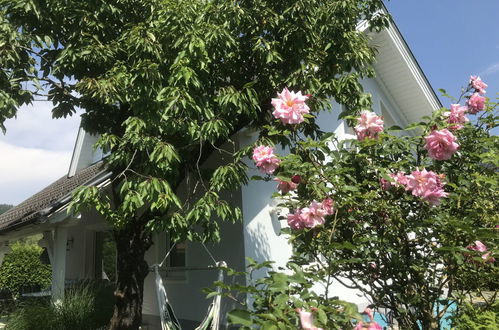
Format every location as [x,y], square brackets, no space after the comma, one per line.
[400,75]
[45,201]
[399,71]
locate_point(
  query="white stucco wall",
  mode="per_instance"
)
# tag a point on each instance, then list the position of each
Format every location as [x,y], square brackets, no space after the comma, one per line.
[186,296]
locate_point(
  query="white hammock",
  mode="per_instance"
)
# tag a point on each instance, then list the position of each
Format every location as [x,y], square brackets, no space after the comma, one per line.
[168,319]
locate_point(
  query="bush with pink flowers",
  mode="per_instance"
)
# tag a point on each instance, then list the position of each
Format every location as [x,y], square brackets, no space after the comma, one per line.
[407,219]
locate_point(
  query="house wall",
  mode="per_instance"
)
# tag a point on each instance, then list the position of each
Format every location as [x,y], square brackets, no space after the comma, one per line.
[80,253]
[84,153]
[186,296]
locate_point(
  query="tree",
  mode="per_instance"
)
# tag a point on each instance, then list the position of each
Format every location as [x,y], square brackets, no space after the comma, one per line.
[407,219]
[5,207]
[167,84]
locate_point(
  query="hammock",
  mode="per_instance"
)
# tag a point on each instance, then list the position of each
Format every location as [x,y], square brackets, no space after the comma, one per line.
[168,319]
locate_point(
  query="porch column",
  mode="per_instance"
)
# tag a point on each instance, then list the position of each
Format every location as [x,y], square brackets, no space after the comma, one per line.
[47,242]
[4,249]
[59,262]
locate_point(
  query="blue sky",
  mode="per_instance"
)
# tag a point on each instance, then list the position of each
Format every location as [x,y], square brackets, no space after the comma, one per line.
[451,39]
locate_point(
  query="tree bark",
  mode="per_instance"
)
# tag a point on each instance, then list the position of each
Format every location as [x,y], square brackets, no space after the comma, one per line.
[132,243]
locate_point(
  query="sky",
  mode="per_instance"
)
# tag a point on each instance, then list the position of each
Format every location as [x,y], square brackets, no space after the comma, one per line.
[451,40]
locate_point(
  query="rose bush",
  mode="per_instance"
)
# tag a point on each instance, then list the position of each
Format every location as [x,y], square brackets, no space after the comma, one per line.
[406,209]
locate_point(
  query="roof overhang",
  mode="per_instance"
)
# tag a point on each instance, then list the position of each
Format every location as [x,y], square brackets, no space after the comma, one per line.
[42,209]
[400,74]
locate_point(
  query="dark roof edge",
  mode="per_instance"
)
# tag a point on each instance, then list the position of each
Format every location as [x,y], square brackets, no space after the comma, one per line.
[40,215]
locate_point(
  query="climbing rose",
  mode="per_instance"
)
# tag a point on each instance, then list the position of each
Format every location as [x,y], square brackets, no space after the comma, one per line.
[327,205]
[369,125]
[480,247]
[265,159]
[426,184]
[296,179]
[399,179]
[476,103]
[478,84]
[285,186]
[372,325]
[441,145]
[385,184]
[307,320]
[295,221]
[457,116]
[313,215]
[289,107]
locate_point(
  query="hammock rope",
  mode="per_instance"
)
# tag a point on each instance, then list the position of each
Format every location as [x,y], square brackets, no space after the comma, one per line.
[169,320]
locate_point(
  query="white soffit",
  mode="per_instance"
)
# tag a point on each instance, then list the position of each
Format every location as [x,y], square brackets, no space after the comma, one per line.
[398,71]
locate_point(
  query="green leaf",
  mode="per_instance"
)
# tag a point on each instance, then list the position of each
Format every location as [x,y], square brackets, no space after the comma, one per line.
[240,316]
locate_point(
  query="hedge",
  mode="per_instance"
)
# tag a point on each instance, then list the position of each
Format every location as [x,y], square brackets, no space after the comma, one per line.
[22,268]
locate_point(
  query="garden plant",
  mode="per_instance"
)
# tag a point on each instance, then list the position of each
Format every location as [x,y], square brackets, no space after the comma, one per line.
[407,217]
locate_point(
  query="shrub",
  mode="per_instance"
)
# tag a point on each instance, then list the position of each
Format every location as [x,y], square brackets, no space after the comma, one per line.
[33,314]
[476,317]
[84,307]
[22,267]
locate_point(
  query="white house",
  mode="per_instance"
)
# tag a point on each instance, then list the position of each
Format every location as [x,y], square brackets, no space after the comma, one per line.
[75,242]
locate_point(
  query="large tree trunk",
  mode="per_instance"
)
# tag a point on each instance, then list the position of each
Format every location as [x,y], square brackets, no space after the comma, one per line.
[131,243]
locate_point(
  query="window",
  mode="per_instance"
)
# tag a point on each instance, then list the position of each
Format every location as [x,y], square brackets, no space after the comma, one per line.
[177,255]
[176,259]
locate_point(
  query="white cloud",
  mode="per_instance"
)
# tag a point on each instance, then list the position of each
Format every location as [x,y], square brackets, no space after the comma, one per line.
[25,171]
[493,69]
[35,151]
[35,128]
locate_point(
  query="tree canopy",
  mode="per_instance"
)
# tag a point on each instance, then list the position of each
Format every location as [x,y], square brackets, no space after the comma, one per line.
[168,83]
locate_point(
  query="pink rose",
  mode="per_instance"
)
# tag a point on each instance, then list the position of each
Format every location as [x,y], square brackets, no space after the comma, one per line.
[307,320]
[328,206]
[480,247]
[426,184]
[441,145]
[476,103]
[265,159]
[457,116]
[285,186]
[372,325]
[399,179]
[295,220]
[478,84]
[289,107]
[369,125]
[313,215]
